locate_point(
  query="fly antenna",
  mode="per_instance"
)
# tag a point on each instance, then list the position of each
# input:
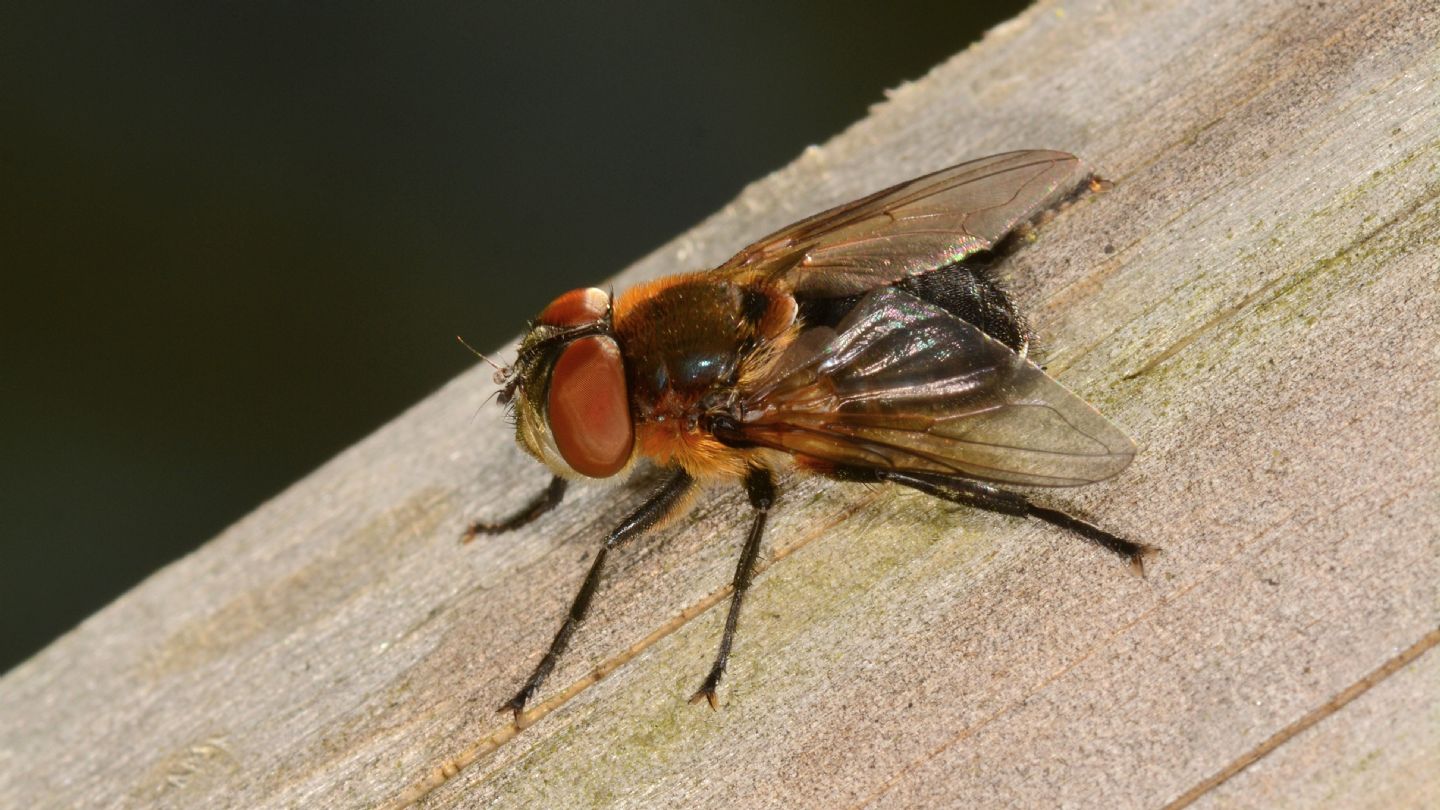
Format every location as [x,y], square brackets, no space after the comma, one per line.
[480,355]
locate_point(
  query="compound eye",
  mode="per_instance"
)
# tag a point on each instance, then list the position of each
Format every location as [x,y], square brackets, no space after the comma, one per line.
[589,409]
[576,307]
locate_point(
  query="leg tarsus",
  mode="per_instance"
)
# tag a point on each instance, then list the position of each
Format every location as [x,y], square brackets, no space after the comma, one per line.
[516,705]
[708,689]
[1133,553]
[539,505]
[760,485]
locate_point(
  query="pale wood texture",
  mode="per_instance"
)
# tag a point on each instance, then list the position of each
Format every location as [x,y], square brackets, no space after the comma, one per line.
[1255,302]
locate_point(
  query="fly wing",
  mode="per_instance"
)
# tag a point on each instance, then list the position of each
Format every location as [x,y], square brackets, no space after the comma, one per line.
[905,385]
[913,227]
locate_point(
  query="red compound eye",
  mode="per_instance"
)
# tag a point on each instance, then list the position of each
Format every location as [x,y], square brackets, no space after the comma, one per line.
[576,307]
[588,407]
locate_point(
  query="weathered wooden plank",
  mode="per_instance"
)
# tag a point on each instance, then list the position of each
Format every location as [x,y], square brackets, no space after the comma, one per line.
[1384,751]
[1255,301]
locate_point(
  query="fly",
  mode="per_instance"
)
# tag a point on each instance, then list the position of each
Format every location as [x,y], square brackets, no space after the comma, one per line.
[867,343]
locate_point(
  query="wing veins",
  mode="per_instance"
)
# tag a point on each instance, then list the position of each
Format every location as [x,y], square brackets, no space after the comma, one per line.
[877,422]
[865,444]
[781,247]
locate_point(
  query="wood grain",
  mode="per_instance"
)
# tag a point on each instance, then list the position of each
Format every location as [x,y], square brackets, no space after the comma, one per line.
[1255,302]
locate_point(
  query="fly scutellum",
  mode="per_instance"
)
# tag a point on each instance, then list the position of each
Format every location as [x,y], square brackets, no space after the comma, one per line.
[867,343]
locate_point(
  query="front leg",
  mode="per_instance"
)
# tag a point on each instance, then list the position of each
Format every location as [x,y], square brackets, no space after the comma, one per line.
[664,503]
[539,505]
[760,486]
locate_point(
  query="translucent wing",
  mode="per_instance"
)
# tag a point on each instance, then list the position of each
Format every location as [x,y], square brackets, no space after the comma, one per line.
[913,227]
[905,385]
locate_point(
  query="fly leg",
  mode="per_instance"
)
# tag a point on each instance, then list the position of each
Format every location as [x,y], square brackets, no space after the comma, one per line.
[983,496]
[760,486]
[664,503]
[539,505]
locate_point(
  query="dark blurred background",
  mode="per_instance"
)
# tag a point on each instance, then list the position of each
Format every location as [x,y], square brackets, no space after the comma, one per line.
[237,237]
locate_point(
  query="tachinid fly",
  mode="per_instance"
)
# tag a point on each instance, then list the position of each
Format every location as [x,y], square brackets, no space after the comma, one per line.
[867,343]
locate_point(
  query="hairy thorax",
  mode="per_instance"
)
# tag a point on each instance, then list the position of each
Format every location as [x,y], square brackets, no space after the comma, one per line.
[690,342]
